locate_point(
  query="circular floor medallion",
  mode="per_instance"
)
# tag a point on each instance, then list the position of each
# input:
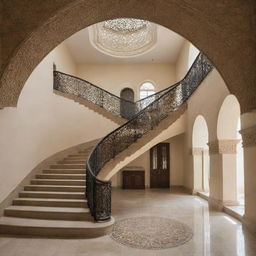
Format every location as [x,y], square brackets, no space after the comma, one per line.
[150,232]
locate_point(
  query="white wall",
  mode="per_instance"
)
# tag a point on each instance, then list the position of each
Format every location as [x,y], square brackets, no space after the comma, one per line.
[43,123]
[116,77]
[188,54]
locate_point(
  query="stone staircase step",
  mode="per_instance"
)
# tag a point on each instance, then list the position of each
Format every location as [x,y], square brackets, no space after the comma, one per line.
[52,194]
[65,171]
[73,161]
[54,188]
[54,204]
[61,176]
[68,166]
[78,155]
[50,202]
[53,228]
[57,182]
[54,213]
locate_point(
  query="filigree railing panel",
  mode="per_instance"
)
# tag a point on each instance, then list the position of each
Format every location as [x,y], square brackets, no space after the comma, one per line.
[81,88]
[168,101]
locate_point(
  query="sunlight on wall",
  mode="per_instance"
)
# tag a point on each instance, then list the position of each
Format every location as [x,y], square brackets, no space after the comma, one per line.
[192,54]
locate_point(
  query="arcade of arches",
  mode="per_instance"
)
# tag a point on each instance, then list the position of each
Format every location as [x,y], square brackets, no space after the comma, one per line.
[213,144]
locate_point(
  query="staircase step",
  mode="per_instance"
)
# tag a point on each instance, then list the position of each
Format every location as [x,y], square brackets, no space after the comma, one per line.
[73,161]
[53,213]
[54,188]
[61,176]
[65,171]
[79,155]
[53,228]
[68,166]
[50,202]
[57,182]
[45,194]
[76,158]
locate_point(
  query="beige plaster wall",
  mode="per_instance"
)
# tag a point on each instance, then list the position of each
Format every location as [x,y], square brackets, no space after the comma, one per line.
[177,160]
[176,163]
[116,77]
[141,161]
[43,123]
[187,55]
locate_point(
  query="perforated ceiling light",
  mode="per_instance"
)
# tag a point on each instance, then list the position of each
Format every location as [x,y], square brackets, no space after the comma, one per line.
[123,37]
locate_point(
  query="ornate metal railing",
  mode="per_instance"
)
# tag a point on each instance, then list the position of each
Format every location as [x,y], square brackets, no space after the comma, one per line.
[98,192]
[81,88]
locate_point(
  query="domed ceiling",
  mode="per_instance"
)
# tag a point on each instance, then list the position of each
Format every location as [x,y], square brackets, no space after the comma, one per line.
[123,37]
[125,41]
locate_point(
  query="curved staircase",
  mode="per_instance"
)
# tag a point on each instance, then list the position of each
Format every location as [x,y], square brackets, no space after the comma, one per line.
[54,204]
[147,119]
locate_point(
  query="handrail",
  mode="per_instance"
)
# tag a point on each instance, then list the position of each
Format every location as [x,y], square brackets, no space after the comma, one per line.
[98,191]
[82,88]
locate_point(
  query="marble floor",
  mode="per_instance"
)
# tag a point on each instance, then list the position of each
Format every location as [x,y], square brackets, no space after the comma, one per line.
[215,233]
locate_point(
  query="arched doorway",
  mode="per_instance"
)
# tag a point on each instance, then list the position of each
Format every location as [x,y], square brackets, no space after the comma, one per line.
[228,128]
[200,152]
[126,106]
[127,94]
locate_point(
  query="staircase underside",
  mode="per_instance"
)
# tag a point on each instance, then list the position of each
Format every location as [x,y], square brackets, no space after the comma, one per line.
[54,204]
[119,161]
[115,118]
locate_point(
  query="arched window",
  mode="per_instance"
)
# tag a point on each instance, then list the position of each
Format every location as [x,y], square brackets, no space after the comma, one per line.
[146,89]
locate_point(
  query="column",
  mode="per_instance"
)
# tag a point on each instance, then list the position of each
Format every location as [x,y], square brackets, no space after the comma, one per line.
[248,131]
[197,154]
[223,183]
[206,169]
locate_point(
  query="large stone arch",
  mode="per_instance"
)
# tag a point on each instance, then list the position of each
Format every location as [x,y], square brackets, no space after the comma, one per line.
[32,29]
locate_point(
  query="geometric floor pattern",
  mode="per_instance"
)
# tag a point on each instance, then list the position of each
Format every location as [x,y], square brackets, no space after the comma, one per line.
[152,233]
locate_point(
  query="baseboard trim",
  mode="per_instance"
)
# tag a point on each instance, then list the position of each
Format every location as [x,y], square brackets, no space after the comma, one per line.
[203,195]
[42,165]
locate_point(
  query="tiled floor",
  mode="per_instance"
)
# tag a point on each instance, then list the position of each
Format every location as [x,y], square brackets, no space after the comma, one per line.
[215,233]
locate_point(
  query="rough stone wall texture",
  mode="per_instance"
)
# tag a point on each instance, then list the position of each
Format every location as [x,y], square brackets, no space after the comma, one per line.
[224,30]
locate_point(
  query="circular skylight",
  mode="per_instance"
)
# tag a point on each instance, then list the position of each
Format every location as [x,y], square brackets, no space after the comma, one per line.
[123,37]
[124,25]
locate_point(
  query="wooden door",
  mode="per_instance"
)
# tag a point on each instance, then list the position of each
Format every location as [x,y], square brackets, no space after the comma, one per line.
[160,166]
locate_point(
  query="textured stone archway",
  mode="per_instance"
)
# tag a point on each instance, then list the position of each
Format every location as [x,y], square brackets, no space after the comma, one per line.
[223,30]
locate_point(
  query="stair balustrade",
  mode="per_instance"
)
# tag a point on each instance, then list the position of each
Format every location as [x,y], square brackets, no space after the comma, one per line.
[144,116]
[81,88]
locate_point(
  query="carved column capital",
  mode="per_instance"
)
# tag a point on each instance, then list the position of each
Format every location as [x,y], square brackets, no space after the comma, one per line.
[249,136]
[223,146]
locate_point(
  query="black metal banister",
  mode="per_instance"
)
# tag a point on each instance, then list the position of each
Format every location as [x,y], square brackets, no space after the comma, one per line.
[98,192]
[82,88]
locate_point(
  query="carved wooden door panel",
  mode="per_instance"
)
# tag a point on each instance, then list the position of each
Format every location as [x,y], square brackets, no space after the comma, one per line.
[160,166]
